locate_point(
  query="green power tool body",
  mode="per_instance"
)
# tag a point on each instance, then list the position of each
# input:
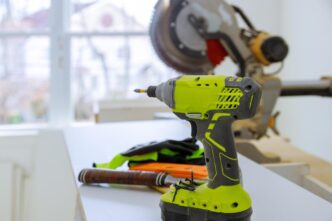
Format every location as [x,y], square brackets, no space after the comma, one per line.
[210,104]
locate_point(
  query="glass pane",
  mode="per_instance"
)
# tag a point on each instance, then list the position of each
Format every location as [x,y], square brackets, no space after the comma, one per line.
[22,15]
[111,67]
[111,15]
[24,80]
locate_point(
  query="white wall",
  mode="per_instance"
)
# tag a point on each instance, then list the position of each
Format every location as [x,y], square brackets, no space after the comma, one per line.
[307,27]
[265,15]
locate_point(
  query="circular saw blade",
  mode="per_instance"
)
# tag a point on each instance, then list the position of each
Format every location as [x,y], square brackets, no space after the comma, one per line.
[184,58]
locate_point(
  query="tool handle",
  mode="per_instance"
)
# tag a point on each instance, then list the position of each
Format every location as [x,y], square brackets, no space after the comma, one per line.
[215,130]
[122,177]
[220,153]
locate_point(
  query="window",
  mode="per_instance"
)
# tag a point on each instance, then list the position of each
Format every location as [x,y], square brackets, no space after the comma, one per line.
[108,55]
[24,61]
[111,51]
[22,15]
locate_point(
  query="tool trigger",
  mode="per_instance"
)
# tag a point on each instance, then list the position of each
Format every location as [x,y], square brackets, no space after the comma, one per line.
[193,128]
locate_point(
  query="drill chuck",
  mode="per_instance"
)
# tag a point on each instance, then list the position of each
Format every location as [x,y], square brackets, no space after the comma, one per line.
[151,91]
[163,92]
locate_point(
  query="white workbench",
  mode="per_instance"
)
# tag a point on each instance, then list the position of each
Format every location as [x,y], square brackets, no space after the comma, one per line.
[274,198]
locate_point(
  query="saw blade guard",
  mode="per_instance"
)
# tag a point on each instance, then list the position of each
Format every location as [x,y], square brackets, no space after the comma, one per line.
[180,46]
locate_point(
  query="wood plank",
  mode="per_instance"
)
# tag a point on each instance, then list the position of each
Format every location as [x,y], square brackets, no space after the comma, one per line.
[319,168]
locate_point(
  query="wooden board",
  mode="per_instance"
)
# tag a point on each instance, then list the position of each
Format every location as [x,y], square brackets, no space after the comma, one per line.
[319,168]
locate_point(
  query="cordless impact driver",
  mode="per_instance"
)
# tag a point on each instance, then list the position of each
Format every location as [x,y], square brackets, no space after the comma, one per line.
[210,104]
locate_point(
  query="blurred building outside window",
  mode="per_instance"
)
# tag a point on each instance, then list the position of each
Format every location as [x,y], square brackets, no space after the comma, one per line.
[24,61]
[110,55]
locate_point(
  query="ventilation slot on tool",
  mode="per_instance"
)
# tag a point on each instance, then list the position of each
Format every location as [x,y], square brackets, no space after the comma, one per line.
[229,98]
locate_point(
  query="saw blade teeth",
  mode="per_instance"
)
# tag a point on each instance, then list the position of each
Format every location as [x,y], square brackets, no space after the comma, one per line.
[166,49]
[152,35]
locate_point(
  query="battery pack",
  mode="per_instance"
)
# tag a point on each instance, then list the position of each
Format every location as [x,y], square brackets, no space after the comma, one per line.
[173,212]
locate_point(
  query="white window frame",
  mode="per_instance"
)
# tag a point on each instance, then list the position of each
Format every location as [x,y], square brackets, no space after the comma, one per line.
[61,109]
[60,105]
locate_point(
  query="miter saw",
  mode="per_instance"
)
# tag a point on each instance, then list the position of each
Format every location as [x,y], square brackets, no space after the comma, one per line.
[195,36]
